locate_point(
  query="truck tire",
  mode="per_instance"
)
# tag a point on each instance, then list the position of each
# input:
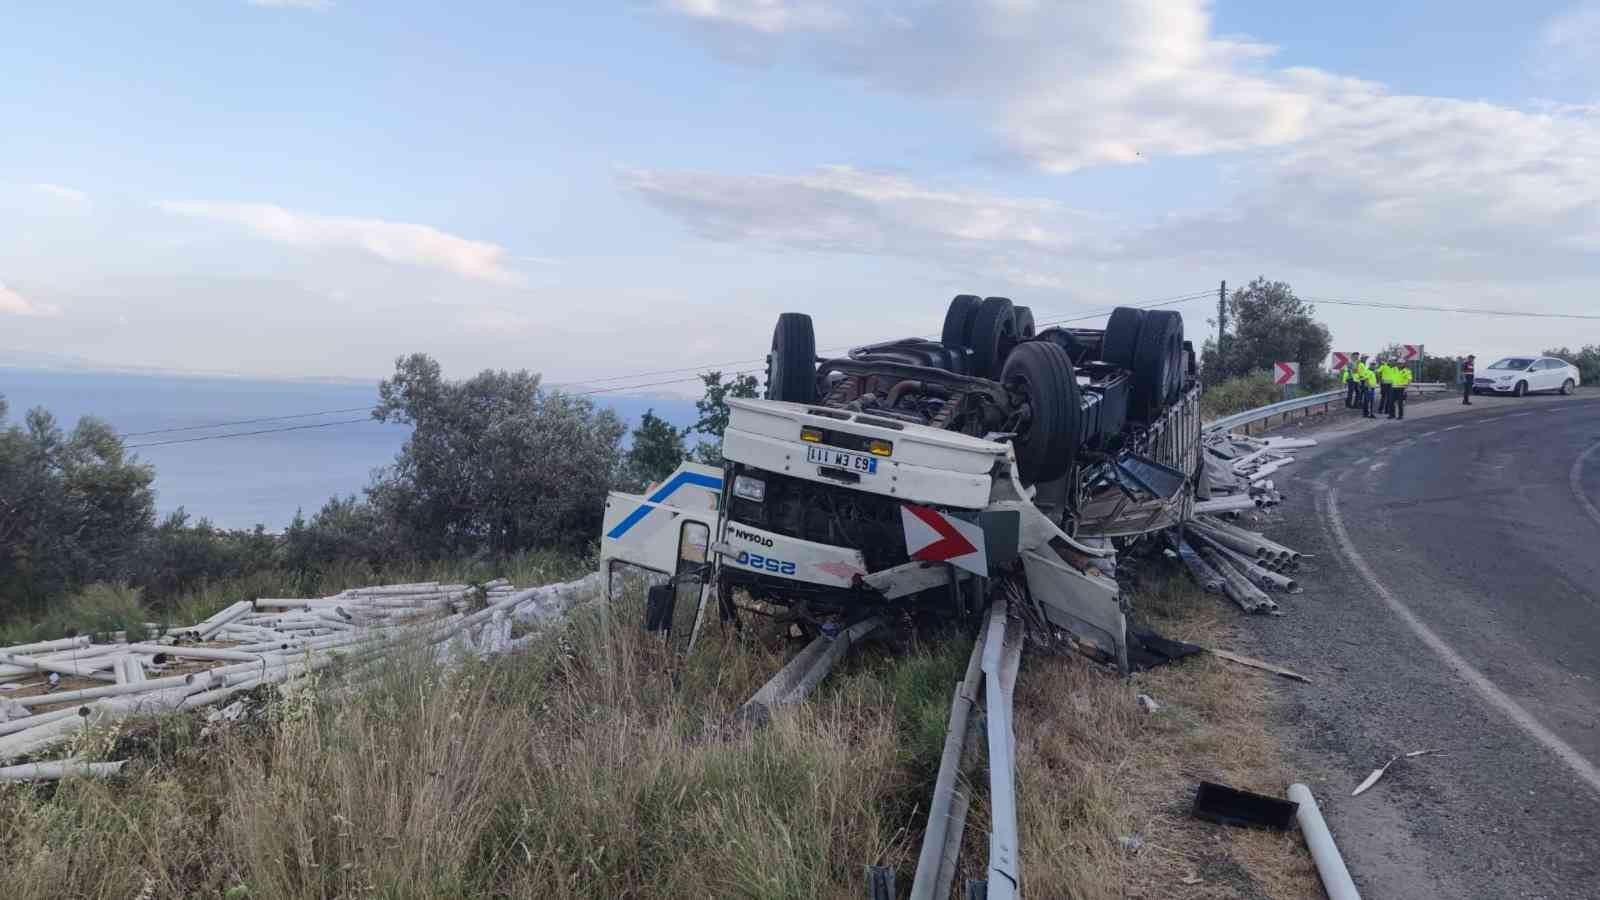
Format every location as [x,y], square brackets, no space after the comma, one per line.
[1122,336]
[792,364]
[1160,342]
[994,333]
[957,331]
[1042,372]
[1066,340]
[1025,330]
[1175,368]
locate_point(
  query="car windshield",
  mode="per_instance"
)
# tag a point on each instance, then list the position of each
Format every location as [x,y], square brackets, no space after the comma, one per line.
[1515,362]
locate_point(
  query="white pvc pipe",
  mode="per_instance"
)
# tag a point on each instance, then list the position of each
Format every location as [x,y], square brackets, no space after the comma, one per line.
[51,665]
[35,649]
[187,652]
[1324,852]
[216,622]
[54,771]
[26,722]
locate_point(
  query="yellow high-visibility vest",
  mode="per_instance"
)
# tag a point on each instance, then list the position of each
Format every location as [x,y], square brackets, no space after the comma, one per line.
[1402,377]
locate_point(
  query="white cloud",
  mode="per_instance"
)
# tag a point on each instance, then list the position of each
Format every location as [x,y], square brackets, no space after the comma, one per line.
[15,304]
[72,196]
[1335,173]
[398,242]
[766,16]
[1575,32]
[840,208]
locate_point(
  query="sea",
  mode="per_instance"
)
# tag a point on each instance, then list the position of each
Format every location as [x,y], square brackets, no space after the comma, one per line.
[232,477]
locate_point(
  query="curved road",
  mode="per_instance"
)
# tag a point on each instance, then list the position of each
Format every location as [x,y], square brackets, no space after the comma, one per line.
[1455,604]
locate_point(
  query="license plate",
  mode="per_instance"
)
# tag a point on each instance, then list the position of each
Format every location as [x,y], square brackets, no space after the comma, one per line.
[842,459]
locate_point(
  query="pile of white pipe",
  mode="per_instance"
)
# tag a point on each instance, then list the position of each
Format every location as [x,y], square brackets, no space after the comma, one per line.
[1243,564]
[270,641]
[1237,470]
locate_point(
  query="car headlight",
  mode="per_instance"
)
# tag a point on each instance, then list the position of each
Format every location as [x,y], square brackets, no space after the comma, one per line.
[753,489]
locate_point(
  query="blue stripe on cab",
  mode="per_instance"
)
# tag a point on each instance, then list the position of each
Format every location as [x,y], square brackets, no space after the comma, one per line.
[661,494]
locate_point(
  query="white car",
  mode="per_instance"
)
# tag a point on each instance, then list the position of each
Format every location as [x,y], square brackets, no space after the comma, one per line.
[1518,375]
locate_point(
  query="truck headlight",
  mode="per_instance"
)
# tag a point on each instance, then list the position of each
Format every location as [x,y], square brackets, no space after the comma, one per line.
[753,489]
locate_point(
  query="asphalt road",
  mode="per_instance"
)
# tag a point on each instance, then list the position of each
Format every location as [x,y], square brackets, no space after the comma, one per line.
[1454,603]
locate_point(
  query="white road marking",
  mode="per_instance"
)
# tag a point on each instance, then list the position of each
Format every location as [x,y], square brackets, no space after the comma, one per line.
[1427,434]
[1518,415]
[1485,688]
[1575,479]
[1454,427]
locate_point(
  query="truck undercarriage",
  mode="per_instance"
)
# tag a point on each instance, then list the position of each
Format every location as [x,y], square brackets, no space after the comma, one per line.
[906,474]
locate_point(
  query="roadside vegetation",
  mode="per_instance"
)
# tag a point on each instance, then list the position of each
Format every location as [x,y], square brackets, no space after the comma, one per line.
[589,766]
[496,468]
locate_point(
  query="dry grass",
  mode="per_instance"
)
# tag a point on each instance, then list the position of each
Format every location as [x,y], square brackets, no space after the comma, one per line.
[1095,769]
[588,768]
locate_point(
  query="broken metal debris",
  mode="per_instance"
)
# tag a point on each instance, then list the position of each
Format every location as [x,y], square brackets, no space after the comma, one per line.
[1379,772]
[1231,806]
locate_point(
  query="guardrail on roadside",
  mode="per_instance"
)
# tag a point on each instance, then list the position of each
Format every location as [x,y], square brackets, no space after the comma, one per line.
[1298,408]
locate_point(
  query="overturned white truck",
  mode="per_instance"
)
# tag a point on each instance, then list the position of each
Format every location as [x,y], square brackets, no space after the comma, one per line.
[906,474]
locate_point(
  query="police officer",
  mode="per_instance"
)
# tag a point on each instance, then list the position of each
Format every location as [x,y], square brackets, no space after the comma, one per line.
[1351,384]
[1468,372]
[1399,378]
[1369,386]
[1385,385]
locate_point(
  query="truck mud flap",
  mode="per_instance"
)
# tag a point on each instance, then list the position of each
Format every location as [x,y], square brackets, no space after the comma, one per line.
[1086,605]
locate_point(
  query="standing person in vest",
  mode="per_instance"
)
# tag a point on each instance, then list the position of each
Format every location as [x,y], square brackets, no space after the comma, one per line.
[1352,385]
[1398,379]
[1468,372]
[1383,387]
[1369,386]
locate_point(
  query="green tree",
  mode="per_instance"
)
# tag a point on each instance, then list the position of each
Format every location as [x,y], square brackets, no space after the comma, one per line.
[494,463]
[713,409]
[656,450]
[1269,324]
[73,508]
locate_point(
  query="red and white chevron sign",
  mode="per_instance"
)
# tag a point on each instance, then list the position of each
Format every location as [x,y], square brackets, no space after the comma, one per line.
[1287,373]
[1340,360]
[1408,352]
[932,536]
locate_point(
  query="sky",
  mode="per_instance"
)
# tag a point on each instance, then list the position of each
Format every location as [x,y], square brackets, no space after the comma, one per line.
[310,188]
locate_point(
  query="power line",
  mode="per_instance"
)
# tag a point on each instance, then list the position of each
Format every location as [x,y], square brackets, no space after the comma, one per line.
[697,369]
[234,434]
[326,412]
[1466,310]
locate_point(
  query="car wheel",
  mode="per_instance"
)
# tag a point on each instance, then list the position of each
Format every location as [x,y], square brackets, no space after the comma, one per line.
[792,364]
[1122,336]
[994,333]
[1160,342]
[1041,371]
[1520,389]
[1566,387]
[1025,329]
[958,321]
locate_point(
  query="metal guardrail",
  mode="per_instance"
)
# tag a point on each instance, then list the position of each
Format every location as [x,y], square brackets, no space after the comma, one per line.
[1285,408]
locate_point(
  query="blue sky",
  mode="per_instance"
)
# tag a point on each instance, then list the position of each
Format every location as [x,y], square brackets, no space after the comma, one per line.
[299,188]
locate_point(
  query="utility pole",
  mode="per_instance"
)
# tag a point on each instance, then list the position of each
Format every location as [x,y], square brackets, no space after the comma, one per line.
[1222,315]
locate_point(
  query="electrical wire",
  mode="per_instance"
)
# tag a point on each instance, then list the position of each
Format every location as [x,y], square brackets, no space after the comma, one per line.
[605,390]
[326,412]
[234,434]
[1466,310]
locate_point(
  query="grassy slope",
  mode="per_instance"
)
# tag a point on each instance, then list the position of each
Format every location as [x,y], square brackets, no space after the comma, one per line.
[578,770]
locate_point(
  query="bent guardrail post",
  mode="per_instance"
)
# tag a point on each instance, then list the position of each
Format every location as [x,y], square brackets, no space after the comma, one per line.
[936,844]
[1005,870]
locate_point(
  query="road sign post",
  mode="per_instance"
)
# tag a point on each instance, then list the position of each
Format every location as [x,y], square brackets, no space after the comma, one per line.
[1286,374]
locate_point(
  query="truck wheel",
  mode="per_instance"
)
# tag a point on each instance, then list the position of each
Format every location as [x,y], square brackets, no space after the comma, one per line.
[1175,367]
[1066,340]
[1042,373]
[792,364]
[994,333]
[1160,340]
[1024,323]
[957,331]
[1122,336]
